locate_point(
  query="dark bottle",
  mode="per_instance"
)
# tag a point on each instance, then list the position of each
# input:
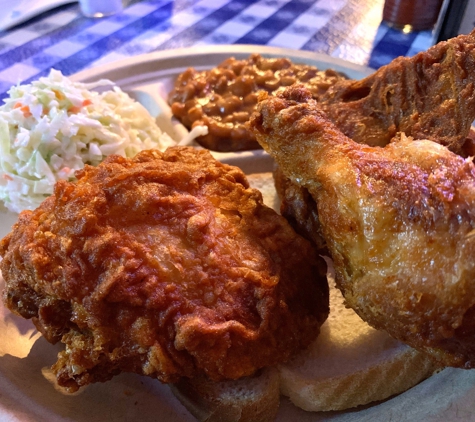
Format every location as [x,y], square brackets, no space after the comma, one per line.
[415,15]
[456,17]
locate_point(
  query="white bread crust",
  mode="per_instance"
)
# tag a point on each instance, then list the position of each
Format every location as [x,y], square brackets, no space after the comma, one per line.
[250,399]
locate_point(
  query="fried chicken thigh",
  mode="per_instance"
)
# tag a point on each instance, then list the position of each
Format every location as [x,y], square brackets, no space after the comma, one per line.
[399,223]
[167,265]
[428,96]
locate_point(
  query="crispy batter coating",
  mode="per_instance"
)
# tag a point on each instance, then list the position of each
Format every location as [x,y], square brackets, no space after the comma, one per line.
[398,221]
[166,265]
[428,96]
[300,210]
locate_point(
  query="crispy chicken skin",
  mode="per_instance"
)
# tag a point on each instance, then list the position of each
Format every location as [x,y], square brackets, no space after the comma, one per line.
[300,210]
[399,223]
[166,265]
[429,96]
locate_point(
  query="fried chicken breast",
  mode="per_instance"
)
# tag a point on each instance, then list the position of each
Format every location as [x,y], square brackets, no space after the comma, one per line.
[167,265]
[398,221]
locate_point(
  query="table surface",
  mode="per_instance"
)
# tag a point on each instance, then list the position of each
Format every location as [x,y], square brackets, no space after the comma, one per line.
[348,29]
[65,40]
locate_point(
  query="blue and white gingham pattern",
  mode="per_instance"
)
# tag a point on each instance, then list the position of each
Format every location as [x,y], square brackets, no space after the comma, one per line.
[64,39]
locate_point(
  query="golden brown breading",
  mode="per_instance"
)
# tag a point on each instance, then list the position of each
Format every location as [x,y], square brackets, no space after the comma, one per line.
[300,210]
[167,265]
[428,96]
[399,223]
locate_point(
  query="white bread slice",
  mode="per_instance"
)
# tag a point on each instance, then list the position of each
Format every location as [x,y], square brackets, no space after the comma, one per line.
[351,364]
[250,399]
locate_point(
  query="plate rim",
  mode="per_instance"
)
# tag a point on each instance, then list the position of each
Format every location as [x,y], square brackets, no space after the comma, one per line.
[95,72]
[142,73]
[135,62]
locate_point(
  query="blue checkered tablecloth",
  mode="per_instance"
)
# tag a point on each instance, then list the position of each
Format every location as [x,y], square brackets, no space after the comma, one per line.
[64,39]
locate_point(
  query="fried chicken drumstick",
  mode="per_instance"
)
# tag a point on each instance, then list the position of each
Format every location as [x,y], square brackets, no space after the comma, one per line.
[429,96]
[166,265]
[398,221]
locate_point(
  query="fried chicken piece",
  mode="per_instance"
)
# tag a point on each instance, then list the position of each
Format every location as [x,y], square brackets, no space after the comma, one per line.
[399,223]
[429,96]
[300,210]
[167,265]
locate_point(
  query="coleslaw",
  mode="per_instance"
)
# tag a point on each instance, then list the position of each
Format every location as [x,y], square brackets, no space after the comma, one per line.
[53,127]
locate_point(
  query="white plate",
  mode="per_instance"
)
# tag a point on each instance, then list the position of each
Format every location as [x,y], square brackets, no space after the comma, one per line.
[149,77]
[15,12]
[27,392]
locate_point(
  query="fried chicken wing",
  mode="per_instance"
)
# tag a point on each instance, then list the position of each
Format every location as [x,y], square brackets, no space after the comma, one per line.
[429,96]
[167,265]
[398,221]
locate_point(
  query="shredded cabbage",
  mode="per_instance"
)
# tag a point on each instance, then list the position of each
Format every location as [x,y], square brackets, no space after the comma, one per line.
[53,127]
